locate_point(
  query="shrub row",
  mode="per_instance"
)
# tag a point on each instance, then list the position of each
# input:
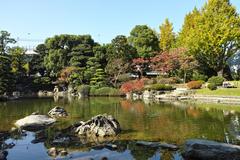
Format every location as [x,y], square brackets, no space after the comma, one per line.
[159,87]
[105,91]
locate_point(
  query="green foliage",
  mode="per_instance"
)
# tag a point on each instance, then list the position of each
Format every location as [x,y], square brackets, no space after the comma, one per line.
[167,36]
[6,77]
[214,35]
[198,76]
[18,61]
[36,63]
[67,50]
[124,77]
[217,80]
[159,87]
[212,86]
[119,48]
[144,40]
[105,91]
[99,79]
[194,84]
[171,80]
[5,39]
[83,90]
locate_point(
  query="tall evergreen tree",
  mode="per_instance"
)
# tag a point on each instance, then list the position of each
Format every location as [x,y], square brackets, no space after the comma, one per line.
[145,40]
[167,36]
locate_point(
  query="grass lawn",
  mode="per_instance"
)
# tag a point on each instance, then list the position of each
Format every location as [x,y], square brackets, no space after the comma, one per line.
[220,92]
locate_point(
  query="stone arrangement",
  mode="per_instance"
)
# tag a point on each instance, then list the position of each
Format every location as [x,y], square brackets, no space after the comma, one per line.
[99,126]
[58,112]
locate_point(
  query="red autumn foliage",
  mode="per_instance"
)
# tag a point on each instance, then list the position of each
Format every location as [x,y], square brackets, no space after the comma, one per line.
[133,86]
[167,61]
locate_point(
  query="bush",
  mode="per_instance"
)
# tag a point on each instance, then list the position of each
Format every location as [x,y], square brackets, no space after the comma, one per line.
[212,86]
[194,84]
[218,81]
[159,87]
[124,78]
[105,91]
[171,80]
[133,86]
[197,76]
[84,90]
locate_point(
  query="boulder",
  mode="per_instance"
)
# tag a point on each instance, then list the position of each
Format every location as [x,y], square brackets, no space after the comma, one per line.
[34,122]
[53,152]
[58,112]
[3,155]
[208,150]
[99,126]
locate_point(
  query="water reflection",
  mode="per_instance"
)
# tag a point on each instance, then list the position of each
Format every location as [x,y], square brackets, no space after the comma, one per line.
[165,122]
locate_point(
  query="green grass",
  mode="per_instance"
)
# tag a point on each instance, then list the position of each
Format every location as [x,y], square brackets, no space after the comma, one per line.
[220,92]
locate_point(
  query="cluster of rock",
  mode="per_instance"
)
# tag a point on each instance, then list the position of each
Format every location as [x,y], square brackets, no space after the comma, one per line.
[58,112]
[99,126]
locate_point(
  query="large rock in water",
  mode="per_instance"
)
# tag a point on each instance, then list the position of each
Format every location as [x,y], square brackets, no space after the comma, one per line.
[99,126]
[209,150]
[34,122]
[58,112]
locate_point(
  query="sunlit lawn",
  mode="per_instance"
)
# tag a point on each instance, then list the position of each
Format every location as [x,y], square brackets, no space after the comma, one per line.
[220,92]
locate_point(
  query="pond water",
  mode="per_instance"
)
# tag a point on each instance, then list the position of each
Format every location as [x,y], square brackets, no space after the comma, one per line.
[162,122]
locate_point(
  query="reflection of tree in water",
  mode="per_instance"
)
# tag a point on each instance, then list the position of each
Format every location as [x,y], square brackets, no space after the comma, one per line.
[235,127]
[167,155]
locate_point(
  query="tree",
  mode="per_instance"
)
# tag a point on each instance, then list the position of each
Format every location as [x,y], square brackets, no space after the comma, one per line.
[6,78]
[144,40]
[4,41]
[18,61]
[190,23]
[91,67]
[119,48]
[115,68]
[216,36]
[37,61]
[68,50]
[167,36]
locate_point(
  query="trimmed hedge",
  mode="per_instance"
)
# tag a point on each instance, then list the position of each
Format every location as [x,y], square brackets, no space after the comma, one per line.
[159,87]
[212,86]
[105,91]
[218,81]
[194,84]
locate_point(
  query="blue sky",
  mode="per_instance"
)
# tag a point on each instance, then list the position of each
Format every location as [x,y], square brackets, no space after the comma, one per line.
[103,19]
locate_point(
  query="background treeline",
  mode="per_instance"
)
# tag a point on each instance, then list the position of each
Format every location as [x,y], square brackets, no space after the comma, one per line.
[202,48]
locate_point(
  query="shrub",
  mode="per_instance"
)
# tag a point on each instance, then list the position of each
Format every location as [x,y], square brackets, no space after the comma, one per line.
[105,91]
[212,86]
[194,84]
[124,78]
[216,80]
[133,86]
[171,80]
[159,87]
[197,76]
[84,90]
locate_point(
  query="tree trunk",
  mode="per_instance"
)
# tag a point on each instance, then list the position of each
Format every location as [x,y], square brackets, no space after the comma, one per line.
[184,78]
[220,73]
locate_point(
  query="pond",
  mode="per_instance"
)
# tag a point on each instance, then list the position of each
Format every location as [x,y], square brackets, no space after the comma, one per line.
[162,122]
